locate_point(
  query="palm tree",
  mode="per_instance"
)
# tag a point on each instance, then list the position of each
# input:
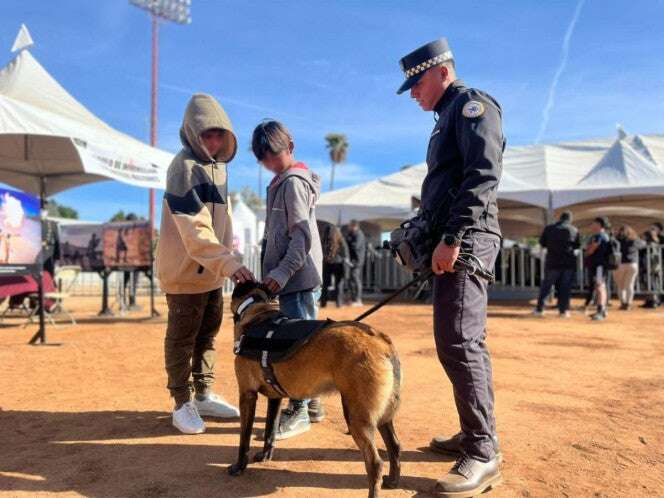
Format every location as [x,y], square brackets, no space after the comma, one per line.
[338,147]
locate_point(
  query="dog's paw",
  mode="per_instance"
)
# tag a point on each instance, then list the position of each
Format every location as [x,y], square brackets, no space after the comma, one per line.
[263,456]
[236,469]
[389,483]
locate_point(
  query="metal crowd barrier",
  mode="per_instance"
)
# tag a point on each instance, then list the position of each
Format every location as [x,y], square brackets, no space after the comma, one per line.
[520,268]
[517,267]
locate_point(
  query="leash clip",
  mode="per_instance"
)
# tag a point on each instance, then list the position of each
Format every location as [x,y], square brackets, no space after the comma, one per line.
[238,345]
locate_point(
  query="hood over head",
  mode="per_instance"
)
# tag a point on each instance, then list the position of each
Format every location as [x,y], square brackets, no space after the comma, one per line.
[203,112]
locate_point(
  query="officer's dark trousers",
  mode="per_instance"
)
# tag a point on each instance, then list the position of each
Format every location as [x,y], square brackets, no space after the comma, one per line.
[459,311]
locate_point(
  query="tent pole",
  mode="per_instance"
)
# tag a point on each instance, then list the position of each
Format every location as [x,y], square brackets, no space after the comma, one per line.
[153,142]
[41,333]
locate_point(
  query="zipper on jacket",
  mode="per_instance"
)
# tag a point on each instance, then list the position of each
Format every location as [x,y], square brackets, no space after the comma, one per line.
[214,185]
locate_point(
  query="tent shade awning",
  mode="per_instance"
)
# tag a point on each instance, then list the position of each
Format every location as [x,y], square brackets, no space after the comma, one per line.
[48,139]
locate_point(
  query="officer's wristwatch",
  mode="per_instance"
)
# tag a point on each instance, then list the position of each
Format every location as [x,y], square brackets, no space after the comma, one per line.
[451,240]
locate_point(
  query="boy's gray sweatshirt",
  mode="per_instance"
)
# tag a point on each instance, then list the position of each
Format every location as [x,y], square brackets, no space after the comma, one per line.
[292,253]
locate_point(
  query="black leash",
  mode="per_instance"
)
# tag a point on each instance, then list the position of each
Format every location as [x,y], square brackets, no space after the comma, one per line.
[465,262]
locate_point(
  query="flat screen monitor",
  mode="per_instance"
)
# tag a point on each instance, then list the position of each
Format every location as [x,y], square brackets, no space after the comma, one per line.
[20,232]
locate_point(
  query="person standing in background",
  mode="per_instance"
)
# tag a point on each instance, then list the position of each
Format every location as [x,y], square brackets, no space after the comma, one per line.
[596,262]
[625,275]
[357,248]
[560,239]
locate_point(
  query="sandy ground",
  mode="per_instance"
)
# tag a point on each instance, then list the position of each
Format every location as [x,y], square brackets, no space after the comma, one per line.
[579,408]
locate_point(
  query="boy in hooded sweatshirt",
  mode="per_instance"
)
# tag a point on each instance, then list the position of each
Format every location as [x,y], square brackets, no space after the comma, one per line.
[194,256]
[292,253]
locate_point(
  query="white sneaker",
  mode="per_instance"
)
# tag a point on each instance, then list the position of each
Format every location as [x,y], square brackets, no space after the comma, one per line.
[566,314]
[187,420]
[357,304]
[216,406]
[537,312]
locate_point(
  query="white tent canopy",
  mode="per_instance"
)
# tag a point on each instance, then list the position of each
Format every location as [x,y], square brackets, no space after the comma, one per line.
[384,200]
[245,225]
[46,134]
[624,176]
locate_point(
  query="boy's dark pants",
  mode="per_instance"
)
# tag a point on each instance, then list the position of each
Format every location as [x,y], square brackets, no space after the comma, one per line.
[459,317]
[193,323]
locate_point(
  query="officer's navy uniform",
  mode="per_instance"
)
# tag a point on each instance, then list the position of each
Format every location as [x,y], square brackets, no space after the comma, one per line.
[464,163]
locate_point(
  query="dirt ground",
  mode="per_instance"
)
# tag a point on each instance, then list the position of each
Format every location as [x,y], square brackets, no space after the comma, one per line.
[579,407]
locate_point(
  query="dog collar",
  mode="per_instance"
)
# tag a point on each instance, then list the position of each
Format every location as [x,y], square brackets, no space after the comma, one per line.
[245,304]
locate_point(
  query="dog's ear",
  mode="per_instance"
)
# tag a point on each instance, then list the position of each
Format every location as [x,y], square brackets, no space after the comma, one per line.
[243,289]
[247,288]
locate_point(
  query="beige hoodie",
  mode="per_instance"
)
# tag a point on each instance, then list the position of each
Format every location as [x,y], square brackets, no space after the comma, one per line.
[194,253]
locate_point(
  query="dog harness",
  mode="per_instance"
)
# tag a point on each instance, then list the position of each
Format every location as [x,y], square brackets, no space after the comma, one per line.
[275,340]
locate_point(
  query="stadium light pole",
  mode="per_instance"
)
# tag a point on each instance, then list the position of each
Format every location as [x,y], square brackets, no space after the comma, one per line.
[178,11]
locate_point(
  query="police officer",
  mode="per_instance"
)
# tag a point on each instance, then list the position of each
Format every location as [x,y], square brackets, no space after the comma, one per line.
[464,161]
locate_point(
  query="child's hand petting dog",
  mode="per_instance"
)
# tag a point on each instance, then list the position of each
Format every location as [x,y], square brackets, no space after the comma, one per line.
[272,284]
[243,275]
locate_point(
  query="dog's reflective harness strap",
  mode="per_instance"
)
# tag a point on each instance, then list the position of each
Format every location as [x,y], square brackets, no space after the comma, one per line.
[268,371]
[242,307]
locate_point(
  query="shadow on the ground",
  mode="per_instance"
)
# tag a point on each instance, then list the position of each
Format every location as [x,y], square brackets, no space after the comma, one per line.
[63,452]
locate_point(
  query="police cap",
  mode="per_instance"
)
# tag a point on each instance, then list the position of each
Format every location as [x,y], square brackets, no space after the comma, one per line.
[417,62]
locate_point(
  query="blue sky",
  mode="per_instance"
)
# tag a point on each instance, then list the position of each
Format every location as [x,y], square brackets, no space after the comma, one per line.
[324,66]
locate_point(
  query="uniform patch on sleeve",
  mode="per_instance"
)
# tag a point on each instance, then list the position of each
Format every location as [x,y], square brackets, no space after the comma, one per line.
[473,109]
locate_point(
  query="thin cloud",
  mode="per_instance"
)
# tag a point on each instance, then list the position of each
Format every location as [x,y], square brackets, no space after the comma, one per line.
[561,67]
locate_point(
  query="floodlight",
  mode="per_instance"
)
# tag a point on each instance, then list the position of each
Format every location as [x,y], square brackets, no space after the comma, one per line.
[178,11]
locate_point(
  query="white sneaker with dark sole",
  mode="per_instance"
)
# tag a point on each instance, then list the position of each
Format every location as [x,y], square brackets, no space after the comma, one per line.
[216,406]
[293,423]
[187,420]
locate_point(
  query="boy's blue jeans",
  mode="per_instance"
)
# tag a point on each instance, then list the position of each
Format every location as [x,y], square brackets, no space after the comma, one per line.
[302,304]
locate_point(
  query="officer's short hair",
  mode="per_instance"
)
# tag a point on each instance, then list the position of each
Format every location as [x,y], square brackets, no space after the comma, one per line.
[270,136]
[566,216]
[449,63]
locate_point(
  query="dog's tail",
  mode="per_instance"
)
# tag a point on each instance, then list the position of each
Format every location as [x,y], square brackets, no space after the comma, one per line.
[395,397]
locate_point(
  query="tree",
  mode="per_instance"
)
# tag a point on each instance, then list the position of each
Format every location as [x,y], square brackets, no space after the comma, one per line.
[59,211]
[250,198]
[121,216]
[337,145]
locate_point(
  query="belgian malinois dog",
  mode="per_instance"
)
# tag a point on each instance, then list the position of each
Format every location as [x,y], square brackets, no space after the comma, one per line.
[349,357]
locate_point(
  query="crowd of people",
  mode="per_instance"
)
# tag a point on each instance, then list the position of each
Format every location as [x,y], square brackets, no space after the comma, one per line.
[608,251]
[344,255]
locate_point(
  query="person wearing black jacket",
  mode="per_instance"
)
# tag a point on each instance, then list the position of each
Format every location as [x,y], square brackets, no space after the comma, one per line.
[357,248]
[560,240]
[464,165]
[335,262]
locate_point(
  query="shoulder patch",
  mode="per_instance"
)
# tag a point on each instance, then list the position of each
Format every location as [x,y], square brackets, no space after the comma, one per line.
[473,109]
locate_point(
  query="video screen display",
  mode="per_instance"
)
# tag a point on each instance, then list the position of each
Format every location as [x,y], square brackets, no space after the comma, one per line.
[20,230]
